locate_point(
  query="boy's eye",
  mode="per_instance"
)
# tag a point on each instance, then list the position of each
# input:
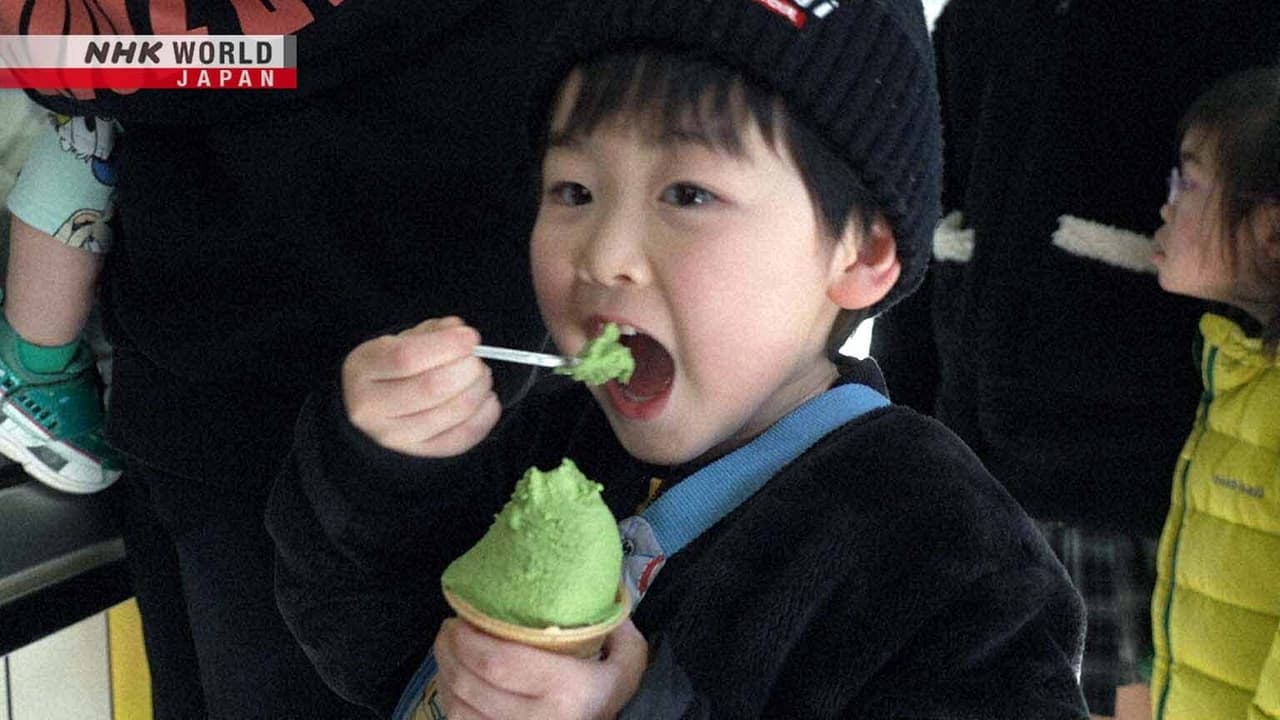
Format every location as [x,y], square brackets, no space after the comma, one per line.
[684,194]
[569,193]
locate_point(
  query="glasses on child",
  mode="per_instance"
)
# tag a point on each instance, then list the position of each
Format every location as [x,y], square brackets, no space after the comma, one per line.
[1178,185]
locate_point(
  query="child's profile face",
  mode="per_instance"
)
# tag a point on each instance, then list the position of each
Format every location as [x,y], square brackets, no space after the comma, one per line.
[716,261]
[1188,250]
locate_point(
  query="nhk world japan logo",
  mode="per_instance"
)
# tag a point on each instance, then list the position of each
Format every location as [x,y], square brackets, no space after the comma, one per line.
[125,63]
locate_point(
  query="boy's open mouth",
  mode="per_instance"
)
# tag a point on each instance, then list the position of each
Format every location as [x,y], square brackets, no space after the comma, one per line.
[654,371]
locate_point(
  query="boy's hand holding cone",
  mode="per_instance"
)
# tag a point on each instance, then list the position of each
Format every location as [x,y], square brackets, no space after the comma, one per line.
[481,676]
[546,576]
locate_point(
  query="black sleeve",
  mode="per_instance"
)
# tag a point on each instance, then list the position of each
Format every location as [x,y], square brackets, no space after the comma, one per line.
[969,49]
[362,535]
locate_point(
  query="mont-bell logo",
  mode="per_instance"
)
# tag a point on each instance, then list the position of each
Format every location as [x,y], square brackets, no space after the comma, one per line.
[1253,491]
[798,11]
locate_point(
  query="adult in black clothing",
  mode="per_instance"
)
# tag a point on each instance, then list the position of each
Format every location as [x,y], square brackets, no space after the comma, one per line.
[1039,331]
[261,236]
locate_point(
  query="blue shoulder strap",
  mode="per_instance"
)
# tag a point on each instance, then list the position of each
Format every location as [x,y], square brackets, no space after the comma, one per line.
[700,500]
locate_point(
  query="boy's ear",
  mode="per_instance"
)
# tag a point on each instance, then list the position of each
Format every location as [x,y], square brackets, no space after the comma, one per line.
[864,270]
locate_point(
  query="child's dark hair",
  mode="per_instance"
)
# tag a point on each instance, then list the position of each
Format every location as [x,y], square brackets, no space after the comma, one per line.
[1240,118]
[683,96]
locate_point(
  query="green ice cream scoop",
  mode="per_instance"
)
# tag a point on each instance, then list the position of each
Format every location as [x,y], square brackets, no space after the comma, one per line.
[552,556]
[602,359]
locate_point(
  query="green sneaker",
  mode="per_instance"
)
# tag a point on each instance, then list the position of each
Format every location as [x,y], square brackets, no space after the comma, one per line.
[51,423]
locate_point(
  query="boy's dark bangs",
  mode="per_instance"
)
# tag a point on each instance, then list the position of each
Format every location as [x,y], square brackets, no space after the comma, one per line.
[670,97]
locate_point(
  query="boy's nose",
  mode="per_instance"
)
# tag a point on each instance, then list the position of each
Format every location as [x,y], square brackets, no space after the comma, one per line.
[614,253]
[1166,212]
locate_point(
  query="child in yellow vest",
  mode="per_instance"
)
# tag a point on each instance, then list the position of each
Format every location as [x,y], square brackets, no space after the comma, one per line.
[1216,609]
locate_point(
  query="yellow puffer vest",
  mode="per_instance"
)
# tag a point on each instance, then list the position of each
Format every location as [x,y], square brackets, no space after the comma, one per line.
[1216,608]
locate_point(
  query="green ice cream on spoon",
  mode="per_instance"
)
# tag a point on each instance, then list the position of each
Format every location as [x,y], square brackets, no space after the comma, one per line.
[602,359]
[552,556]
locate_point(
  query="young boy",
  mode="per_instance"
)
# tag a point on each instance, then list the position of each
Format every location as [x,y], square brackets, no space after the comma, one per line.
[738,182]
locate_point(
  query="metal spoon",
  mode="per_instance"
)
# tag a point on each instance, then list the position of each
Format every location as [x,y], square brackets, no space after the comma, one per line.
[525,357]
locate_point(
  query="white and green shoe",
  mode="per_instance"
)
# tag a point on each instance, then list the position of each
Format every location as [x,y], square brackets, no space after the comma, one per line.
[51,423]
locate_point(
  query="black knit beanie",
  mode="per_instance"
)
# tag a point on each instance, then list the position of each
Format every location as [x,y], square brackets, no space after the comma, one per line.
[858,72]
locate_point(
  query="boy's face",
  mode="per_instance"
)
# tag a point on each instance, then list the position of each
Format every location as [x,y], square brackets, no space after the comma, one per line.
[715,260]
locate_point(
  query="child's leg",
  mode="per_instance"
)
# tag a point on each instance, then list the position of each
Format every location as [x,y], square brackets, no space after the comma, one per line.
[49,286]
[51,412]
[51,407]
[157,583]
[1133,702]
[51,422]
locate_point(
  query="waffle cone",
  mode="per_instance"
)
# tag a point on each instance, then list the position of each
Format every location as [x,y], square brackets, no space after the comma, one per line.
[582,642]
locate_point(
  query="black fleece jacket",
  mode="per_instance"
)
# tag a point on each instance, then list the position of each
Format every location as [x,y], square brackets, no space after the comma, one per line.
[882,574]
